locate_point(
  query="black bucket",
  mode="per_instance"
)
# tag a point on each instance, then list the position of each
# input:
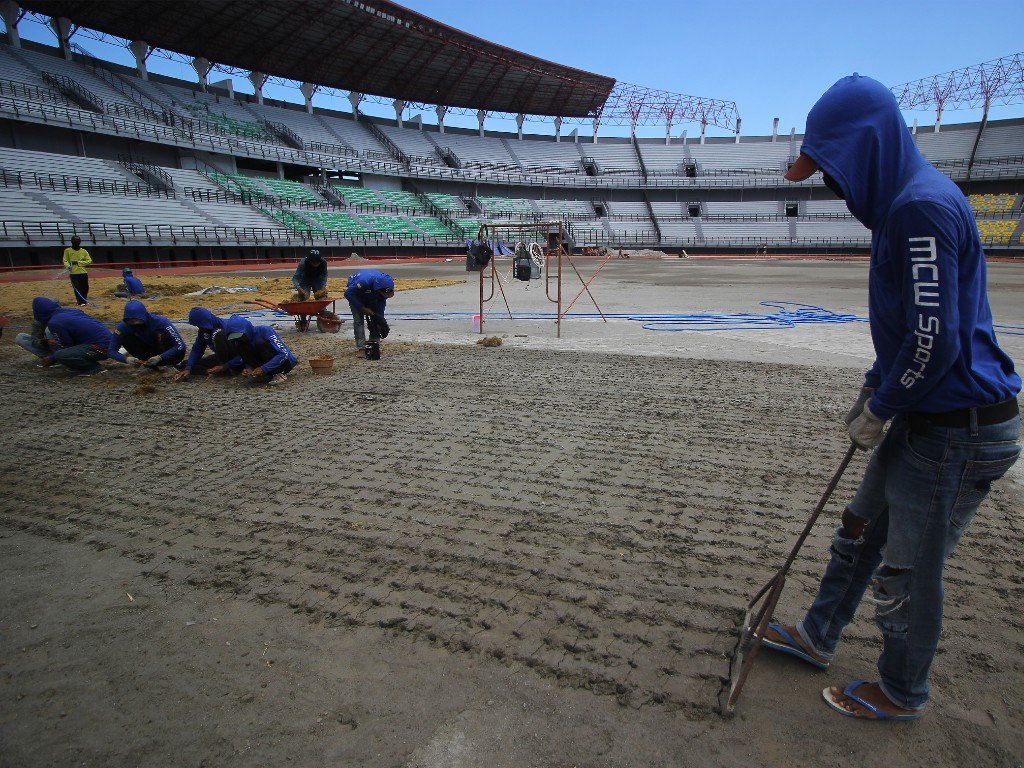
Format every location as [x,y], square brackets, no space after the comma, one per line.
[372,350]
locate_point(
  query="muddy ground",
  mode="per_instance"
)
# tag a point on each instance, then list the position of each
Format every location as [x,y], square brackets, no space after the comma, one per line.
[454,556]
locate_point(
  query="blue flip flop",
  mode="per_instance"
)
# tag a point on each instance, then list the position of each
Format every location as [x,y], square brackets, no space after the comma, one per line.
[791,646]
[826,694]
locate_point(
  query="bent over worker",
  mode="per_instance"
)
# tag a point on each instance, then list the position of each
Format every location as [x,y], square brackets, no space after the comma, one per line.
[310,277]
[149,340]
[939,380]
[65,336]
[213,337]
[259,351]
[367,293]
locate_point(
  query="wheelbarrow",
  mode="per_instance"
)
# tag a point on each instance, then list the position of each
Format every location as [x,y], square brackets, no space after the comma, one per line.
[327,321]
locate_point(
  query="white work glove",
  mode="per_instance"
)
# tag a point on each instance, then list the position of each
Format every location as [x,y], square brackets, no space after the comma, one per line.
[862,398]
[132,360]
[153,362]
[866,429]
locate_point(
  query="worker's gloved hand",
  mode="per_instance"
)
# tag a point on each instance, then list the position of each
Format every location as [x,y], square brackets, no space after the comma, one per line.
[132,360]
[378,326]
[153,362]
[257,373]
[862,398]
[182,375]
[320,295]
[302,295]
[866,429]
[247,371]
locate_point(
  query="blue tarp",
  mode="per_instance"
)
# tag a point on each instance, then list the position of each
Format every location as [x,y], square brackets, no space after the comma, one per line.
[498,250]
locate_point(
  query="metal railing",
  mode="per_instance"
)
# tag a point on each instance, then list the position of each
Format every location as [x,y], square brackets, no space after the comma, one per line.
[79,184]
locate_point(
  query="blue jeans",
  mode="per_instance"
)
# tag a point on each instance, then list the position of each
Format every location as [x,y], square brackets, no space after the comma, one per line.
[81,358]
[919,493]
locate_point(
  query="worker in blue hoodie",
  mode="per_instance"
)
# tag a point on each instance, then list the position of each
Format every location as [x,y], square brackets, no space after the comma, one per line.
[211,351]
[131,287]
[149,340]
[259,351]
[367,294]
[65,336]
[939,380]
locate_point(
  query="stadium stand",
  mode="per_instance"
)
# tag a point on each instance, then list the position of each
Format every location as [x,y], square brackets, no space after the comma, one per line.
[218,171]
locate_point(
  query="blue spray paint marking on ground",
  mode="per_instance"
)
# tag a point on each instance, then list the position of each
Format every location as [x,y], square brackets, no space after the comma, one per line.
[789,315]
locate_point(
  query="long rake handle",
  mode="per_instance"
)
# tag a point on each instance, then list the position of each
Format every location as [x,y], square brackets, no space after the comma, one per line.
[753,634]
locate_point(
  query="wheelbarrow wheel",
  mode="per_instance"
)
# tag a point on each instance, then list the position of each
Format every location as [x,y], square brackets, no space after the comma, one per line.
[328,322]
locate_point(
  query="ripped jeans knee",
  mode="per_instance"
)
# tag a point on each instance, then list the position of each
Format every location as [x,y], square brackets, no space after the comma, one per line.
[848,539]
[891,588]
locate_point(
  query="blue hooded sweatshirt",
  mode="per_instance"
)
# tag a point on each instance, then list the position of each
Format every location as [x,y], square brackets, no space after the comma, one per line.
[931,325]
[265,349]
[132,285]
[364,289]
[207,323]
[136,310]
[71,327]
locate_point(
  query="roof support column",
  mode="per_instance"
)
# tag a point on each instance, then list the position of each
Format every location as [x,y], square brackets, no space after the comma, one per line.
[307,90]
[480,115]
[11,14]
[596,123]
[399,106]
[441,111]
[258,79]
[520,118]
[62,27]
[202,67]
[668,129]
[738,122]
[354,97]
[775,130]
[140,50]
[703,128]
[558,129]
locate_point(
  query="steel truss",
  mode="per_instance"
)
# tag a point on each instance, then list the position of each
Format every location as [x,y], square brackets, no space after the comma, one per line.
[1000,81]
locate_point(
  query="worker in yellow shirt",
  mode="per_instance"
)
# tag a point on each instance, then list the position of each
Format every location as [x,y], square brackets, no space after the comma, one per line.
[76,259]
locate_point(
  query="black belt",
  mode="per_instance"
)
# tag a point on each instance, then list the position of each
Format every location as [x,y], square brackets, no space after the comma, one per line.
[984,415]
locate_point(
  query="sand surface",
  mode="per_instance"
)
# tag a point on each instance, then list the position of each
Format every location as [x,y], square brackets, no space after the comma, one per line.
[529,555]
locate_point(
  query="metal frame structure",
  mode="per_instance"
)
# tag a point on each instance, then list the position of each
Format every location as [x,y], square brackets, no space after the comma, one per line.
[553,233]
[999,81]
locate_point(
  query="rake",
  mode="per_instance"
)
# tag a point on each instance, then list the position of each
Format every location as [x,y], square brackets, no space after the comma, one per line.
[753,631]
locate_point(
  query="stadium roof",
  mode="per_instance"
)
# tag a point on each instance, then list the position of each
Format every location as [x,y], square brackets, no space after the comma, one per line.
[366,46]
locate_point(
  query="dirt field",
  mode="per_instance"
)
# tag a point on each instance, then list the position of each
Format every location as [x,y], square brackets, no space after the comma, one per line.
[453,556]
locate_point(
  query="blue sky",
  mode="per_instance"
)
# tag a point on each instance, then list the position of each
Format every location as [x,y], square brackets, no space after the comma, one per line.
[772,59]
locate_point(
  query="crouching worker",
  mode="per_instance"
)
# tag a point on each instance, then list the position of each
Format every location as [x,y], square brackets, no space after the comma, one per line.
[65,336]
[367,294]
[131,287]
[259,351]
[310,277]
[149,340]
[212,340]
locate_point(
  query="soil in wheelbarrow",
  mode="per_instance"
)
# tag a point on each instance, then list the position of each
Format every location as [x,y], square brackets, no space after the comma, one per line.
[167,295]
